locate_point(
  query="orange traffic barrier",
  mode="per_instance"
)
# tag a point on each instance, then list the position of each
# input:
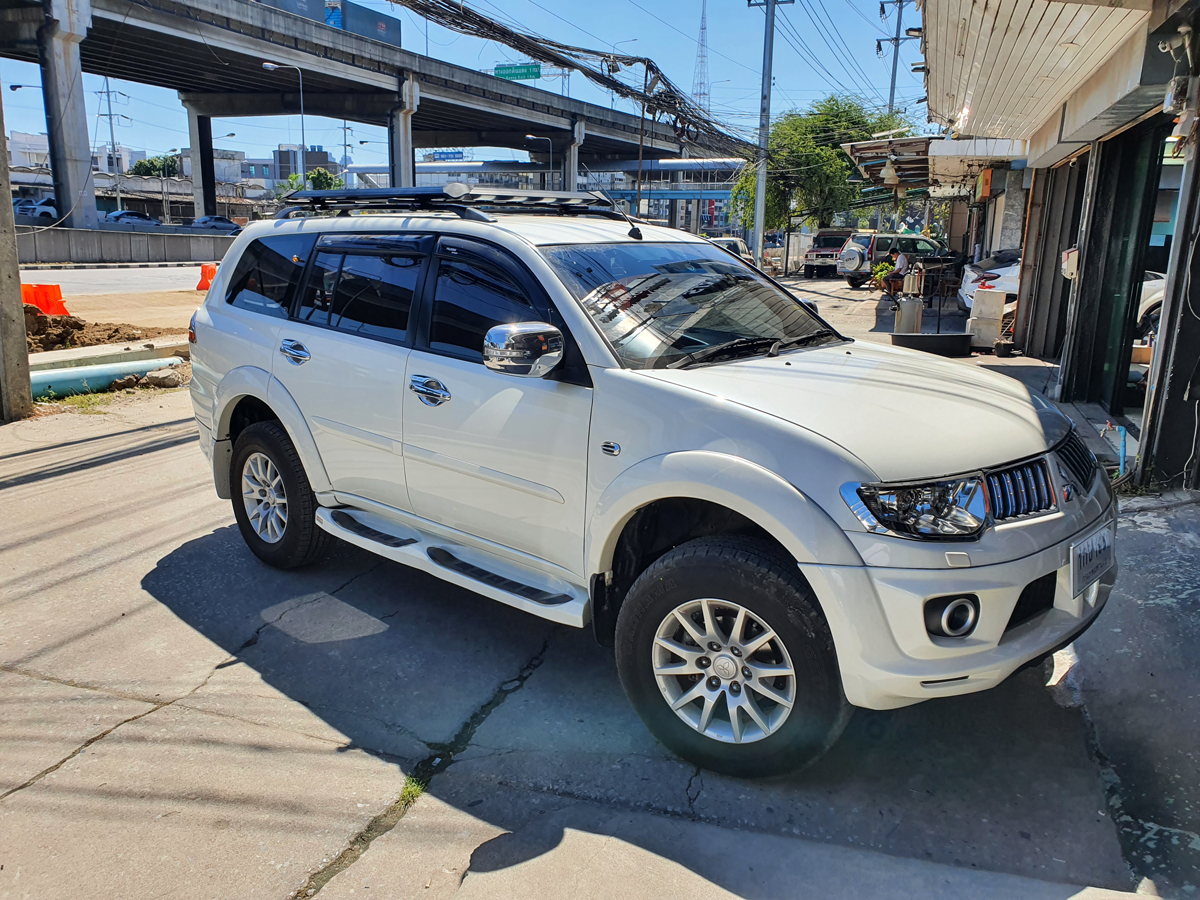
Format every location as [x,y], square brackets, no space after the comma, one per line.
[46,297]
[208,272]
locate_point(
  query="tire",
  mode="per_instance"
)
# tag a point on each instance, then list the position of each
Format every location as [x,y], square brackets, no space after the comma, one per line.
[299,541]
[738,572]
[856,282]
[808,271]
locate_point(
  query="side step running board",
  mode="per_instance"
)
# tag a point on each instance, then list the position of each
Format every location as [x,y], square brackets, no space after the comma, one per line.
[448,560]
[350,523]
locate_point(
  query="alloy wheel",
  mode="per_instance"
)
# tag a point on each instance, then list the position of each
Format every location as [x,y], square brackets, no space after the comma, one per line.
[264,497]
[724,671]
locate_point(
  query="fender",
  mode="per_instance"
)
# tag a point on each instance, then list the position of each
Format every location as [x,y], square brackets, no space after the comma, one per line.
[794,520]
[251,381]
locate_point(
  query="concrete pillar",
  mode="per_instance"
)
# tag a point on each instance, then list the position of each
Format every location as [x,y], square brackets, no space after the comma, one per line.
[695,204]
[204,176]
[675,207]
[401,153]
[67,23]
[570,157]
[15,399]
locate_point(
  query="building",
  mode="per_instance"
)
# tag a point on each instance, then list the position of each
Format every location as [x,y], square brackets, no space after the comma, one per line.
[103,158]
[30,150]
[287,160]
[1100,95]
[227,164]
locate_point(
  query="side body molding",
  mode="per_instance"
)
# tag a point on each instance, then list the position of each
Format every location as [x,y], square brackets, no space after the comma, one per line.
[745,487]
[251,381]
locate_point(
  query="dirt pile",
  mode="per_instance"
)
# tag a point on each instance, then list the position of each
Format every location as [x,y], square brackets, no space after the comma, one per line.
[43,332]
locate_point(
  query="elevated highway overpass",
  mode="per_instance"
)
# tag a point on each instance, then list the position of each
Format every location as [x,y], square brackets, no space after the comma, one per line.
[211,52]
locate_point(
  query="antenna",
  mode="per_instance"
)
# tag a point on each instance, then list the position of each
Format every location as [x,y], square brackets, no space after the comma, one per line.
[700,78]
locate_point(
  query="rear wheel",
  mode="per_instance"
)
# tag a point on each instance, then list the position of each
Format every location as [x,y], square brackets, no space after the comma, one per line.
[726,657]
[856,281]
[272,500]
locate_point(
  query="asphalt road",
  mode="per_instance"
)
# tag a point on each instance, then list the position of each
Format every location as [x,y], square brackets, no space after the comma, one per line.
[180,719]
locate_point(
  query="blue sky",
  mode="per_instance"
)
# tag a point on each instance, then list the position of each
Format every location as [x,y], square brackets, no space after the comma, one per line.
[820,47]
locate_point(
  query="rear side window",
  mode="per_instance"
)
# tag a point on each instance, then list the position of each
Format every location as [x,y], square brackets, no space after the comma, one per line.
[317,301]
[470,297]
[266,277]
[374,295]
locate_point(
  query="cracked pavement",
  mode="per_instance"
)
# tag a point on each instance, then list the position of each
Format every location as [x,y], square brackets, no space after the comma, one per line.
[178,719]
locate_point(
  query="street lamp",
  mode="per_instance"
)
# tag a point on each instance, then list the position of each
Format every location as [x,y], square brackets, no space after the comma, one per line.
[17,87]
[534,137]
[612,96]
[271,67]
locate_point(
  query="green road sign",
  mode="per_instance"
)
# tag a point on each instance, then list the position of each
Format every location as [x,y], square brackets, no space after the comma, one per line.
[521,72]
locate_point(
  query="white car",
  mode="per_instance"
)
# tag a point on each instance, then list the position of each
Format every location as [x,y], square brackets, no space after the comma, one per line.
[40,209]
[623,427]
[1000,272]
[1150,300]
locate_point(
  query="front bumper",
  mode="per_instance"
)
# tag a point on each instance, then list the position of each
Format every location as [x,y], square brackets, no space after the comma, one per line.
[887,657]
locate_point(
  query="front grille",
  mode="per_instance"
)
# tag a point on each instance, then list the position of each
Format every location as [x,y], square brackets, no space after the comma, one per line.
[1037,597]
[1078,459]
[1020,490]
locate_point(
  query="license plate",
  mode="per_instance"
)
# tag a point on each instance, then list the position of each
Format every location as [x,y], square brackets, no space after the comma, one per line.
[1091,558]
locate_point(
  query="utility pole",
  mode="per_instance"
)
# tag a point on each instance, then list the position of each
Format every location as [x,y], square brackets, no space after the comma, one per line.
[16,399]
[112,138]
[764,125]
[895,42]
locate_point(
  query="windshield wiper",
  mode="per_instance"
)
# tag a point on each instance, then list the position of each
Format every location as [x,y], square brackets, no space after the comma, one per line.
[800,341]
[698,356]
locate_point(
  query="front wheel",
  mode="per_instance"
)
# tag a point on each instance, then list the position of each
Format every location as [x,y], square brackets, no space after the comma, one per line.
[272,500]
[808,271]
[725,655]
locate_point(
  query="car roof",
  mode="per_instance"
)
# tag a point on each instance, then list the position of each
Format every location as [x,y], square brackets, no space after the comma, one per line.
[539,230]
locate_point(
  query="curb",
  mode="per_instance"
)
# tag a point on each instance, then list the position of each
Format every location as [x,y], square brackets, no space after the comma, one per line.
[153,265]
[1165,500]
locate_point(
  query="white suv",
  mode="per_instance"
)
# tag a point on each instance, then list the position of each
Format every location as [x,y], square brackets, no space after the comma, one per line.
[623,426]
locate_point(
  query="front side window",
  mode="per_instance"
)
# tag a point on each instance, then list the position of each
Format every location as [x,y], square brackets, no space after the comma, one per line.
[681,304]
[471,296]
[317,301]
[268,273]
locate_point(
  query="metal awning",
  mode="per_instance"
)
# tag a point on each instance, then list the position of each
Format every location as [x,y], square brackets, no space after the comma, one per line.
[1002,68]
[909,158]
[931,162]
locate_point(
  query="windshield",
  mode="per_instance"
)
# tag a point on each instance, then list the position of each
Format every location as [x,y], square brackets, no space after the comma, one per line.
[829,241]
[664,304]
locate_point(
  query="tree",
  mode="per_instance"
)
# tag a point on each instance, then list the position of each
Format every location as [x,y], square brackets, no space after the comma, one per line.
[294,183]
[165,166]
[324,180]
[806,166]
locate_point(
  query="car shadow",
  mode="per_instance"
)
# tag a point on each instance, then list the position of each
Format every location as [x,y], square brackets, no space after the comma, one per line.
[419,672]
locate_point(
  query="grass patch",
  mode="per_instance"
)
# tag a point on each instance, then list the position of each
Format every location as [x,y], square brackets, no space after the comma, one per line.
[88,404]
[413,789]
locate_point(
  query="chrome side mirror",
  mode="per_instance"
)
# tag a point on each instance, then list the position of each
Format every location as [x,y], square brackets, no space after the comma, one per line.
[525,349]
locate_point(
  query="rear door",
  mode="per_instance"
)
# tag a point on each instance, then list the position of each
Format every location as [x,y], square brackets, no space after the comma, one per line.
[342,357]
[493,455]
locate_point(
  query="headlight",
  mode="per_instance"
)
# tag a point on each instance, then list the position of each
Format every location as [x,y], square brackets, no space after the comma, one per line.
[954,509]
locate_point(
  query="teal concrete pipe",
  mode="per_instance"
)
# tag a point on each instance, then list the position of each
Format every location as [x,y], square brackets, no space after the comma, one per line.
[89,379]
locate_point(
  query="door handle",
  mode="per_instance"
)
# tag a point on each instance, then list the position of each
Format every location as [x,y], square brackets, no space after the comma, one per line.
[431,391]
[297,354]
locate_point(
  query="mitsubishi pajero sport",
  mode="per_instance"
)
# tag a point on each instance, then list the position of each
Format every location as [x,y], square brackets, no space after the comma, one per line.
[624,427]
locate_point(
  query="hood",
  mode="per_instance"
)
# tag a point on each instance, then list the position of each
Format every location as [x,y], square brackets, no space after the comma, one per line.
[907,415]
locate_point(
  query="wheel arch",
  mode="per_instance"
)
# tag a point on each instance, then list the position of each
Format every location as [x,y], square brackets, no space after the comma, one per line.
[661,502]
[249,394]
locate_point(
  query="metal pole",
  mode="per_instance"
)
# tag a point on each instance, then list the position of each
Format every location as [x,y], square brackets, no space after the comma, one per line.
[642,139]
[16,400]
[303,139]
[764,130]
[895,55]
[112,138]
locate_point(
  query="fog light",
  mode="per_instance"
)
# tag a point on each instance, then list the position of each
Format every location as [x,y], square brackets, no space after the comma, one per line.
[952,616]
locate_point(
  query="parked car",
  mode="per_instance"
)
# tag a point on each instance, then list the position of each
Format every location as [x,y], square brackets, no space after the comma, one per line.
[864,249]
[822,257]
[40,209]
[1150,300]
[632,430]
[216,223]
[131,217]
[1001,270]
[735,245]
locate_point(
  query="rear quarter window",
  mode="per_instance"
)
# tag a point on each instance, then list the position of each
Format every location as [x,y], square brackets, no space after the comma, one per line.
[268,274]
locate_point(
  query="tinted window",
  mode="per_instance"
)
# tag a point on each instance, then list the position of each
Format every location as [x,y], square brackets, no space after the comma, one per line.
[908,245]
[374,295]
[863,240]
[268,273]
[926,247]
[829,241]
[470,297]
[318,296]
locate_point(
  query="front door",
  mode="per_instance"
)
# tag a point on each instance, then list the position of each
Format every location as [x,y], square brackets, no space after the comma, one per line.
[493,455]
[342,357]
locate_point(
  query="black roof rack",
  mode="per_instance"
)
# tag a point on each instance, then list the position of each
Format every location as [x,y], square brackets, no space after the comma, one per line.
[464,200]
